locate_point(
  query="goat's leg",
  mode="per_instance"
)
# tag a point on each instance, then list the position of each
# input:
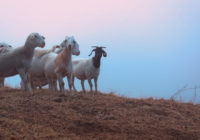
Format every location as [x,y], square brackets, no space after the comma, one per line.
[61,83]
[69,79]
[73,78]
[24,78]
[83,87]
[95,82]
[90,83]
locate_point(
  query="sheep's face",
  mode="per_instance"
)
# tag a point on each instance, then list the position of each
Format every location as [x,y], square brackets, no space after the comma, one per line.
[37,40]
[71,42]
[2,45]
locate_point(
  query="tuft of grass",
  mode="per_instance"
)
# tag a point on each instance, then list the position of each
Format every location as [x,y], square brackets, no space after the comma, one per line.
[43,115]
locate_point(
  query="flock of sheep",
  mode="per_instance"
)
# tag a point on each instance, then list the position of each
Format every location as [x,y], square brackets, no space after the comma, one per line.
[41,67]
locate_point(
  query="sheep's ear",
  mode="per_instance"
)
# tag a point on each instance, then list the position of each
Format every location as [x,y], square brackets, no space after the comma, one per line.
[33,36]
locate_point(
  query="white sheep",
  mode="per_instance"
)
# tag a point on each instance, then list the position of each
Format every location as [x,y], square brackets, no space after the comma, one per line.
[18,60]
[4,47]
[88,69]
[38,81]
[55,66]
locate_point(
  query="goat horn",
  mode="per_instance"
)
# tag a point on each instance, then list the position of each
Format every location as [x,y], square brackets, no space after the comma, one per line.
[94,46]
[102,47]
[91,52]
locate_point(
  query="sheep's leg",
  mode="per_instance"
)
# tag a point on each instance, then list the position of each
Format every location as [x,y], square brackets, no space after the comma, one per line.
[90,83]
[24,78]
[95,82]
[1,82]
[22,85]
[69,79]
[55,84]
[82,84]
[31,81]
[49,83]
[73,78]
[61,83]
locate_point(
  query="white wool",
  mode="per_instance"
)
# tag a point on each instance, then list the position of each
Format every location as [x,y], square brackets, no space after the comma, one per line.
[18,60]
[45,65]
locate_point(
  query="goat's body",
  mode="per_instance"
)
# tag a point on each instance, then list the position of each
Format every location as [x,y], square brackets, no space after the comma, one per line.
[88,69]
[83,69]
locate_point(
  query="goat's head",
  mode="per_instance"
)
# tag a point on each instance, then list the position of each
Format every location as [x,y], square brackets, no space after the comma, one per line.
[98,51]
[71,43]
[3,44]
[37,40]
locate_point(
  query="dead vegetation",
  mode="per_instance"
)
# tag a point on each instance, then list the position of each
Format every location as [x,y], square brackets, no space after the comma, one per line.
[105,116]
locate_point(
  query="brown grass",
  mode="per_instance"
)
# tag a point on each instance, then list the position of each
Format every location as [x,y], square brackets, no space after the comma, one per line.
[105,116]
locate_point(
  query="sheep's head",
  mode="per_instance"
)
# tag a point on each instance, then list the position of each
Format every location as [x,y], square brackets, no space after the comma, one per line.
[98,51]
[2,45]
[36,40]
[71,43]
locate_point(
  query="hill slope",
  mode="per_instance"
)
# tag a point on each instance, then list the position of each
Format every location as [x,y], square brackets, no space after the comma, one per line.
[105,116]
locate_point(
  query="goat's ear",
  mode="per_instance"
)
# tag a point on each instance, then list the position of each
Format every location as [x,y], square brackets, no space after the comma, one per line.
[104,54]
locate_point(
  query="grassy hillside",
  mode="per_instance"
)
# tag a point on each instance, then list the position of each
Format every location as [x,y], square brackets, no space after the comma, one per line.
[105,116]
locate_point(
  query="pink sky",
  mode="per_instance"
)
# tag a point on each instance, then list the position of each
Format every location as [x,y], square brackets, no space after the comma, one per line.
[57,18]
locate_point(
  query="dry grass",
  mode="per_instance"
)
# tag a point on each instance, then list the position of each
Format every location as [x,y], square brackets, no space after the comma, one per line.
[105,116]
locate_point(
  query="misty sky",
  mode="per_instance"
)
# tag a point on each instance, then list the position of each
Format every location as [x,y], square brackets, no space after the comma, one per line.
[153,46]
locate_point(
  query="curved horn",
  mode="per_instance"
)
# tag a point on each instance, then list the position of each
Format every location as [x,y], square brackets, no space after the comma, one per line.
[91,52]
[95,47]
[102,47]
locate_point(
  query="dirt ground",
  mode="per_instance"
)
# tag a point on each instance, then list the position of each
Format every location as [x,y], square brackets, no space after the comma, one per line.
[88,117]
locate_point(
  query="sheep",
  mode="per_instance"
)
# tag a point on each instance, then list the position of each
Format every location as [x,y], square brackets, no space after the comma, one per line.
[55,66]
[88,69]
[4,47]
[38,81]
[60,65]
[18,60]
